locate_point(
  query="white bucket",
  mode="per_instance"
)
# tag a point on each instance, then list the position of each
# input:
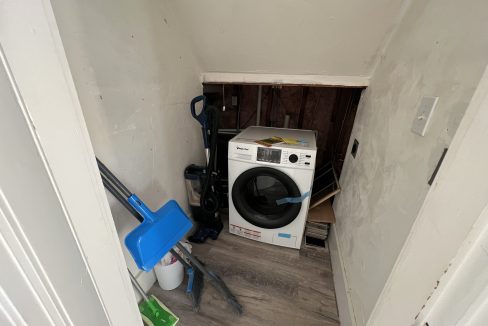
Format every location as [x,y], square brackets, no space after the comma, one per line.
[169,276]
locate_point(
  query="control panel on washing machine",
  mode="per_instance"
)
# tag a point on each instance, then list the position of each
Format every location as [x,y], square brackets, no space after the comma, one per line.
[271,155]
[284,157]
[292,157]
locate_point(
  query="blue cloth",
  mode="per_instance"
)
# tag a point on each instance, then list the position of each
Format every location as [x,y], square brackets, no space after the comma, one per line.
[292,200]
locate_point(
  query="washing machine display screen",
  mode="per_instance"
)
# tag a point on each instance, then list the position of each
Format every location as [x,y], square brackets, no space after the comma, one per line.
[269,155]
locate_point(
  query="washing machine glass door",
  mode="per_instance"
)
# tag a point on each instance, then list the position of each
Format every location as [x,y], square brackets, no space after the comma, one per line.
[255,193]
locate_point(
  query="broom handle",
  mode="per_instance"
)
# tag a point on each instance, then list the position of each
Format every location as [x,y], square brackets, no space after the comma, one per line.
[110,176]
[180,259]
[106,176]
[110,187]
[119,196]
[138,286]
[193,260]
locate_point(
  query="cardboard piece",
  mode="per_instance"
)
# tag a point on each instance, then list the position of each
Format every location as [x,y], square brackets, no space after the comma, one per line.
[322,213]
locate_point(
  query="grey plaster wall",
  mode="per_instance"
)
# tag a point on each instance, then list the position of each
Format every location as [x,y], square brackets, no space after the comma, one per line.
[135,75]
[440,49]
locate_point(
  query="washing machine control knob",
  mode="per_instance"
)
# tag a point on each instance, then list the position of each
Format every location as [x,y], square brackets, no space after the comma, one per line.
[293,158]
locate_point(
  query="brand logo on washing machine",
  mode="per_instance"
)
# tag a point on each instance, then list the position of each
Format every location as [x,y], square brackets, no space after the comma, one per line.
[242,148]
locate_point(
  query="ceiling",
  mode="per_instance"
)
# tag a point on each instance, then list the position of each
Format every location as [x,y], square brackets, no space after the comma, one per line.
[320,37]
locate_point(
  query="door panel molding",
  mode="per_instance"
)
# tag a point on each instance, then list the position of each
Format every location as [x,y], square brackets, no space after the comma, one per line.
[35,54]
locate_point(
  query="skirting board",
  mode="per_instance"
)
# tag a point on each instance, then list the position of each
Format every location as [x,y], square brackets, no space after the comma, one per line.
[312,80]
[346,312]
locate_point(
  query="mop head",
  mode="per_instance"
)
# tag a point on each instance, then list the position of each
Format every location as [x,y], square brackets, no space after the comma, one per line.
[155,313]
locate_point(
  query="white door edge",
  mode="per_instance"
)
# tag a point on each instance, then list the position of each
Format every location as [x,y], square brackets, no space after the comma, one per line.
[31,42]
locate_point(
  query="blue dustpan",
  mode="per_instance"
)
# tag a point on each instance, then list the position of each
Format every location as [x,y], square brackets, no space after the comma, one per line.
[157,234]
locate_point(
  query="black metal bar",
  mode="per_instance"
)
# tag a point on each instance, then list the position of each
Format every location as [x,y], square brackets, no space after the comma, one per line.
[438,166]
[303,106]
[322,174]
[113,179]
[271,95]
[238,111]
[120,198]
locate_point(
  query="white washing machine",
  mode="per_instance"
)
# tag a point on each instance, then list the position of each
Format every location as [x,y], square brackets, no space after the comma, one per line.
[269,187]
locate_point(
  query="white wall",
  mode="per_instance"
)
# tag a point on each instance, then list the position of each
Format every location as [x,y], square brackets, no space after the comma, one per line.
[135,76]
[335,38]
[440,49]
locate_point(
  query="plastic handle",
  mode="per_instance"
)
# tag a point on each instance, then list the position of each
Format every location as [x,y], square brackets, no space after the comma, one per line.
[199,117]
[140,207]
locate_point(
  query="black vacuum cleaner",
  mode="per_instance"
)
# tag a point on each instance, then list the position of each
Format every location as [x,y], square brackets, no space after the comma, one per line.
[201,181]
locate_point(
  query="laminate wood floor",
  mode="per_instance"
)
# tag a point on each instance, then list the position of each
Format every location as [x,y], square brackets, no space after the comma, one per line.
[275,285]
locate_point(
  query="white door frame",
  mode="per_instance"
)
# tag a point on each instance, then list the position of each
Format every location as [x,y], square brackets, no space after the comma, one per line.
[461,298]
[449,213]
[34,51]
[462,295]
